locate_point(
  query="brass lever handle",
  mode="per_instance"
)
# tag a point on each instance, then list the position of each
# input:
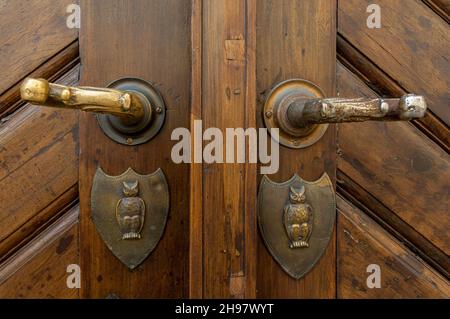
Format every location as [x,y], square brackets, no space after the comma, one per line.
[131,110]
[301,113]
[126,105]
[338,110]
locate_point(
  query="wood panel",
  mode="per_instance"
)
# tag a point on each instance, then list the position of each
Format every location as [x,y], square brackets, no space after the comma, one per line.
[150,40]
[362,242]
[296,39]
[413,50]
[32,32]
[374,77]
[38,168]
[441,7]
[228,101]
[39,269]
[52,70]
[392,223]
[404,170]
[196,171]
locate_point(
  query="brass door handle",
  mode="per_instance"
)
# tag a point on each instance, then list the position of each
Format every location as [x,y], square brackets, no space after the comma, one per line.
[132,111]
[127,105]
[297,107]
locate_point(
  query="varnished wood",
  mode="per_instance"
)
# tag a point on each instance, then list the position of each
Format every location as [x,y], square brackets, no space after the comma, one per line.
[251,169]
[39,269]
[39,168]
[35,224]
[362,242]
[374,77]
[441,7]
[196,169]
[228,97]
[53,69]
[150,40]
[214,60]
[413,51]
[296,39]
[42,32]
[401,230]
[404,170]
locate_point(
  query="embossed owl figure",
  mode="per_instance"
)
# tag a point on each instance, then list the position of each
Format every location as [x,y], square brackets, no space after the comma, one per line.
[298,218]
[130,211]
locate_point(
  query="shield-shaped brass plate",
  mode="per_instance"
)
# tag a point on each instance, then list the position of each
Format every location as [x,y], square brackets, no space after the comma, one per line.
[130,212]
[296,220]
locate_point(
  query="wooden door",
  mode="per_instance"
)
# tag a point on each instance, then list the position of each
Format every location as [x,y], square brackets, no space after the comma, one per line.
[215,62]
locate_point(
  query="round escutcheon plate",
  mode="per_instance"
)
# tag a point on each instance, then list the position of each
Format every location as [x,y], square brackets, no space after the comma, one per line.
[275,110]
[151,123]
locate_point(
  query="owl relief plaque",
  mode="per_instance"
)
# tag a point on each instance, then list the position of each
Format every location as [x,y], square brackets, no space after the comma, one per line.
[296,220]
[298,217]
[130,212]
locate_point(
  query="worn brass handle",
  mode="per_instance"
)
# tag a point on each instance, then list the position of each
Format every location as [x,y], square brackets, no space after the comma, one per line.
[336,110]
[126,105]
[131,110]
[297,107]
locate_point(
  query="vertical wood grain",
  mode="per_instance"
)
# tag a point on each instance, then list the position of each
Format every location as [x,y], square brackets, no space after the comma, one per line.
[196,172]
[228,96]
[297,39]
[150,40]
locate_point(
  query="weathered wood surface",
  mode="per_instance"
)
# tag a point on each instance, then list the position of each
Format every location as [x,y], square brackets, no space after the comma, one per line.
[374,77]
[399,166]
[411,46]
[362,242]
[52,70]
[297,39]
[228,101]
[39,269]
[31,33]
[38,168]
[150,40]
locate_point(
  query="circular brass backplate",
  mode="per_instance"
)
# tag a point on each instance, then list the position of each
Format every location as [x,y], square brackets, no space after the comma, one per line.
[279,98]
[135,135]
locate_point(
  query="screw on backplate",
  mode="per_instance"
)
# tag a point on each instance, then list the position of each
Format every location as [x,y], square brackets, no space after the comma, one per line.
[159,109]
[269,114]
[129,140]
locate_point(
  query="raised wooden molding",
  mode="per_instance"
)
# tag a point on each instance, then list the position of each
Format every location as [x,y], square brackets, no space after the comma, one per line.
[44,138]
[39,243]
[386,182]
[441,7]
[415,241]
[362,242]
[384,85]
[54,69]
[32,32]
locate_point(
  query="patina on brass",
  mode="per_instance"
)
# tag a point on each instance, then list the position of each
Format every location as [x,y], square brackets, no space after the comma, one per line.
[130,212]
[131,110]
[275,113]
[298,217]
[296,220]
[126,105]
[298,109]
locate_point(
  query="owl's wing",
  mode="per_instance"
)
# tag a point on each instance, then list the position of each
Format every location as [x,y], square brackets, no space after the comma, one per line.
[286,217]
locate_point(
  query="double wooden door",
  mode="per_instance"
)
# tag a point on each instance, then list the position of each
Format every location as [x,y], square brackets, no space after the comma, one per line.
[216,61]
